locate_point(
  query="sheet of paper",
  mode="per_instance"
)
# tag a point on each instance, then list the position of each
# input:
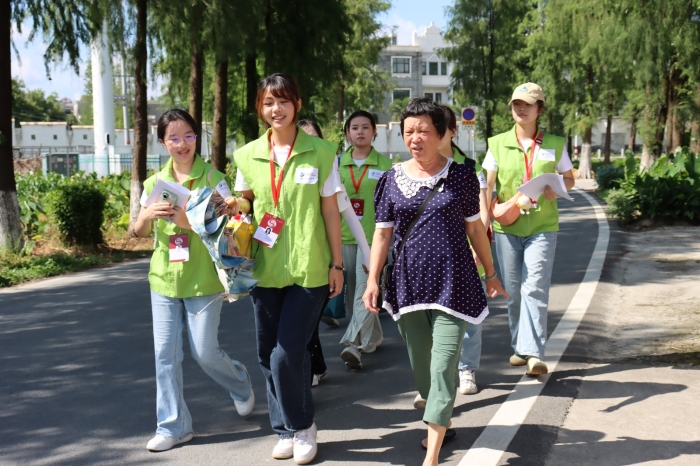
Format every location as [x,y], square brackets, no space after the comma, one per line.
[535,187]
[181,192]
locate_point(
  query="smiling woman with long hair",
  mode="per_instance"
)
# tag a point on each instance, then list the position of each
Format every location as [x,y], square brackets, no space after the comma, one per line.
[292,180]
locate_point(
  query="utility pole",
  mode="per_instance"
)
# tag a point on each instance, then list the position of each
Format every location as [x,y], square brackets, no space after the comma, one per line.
[125,107]
[102,101]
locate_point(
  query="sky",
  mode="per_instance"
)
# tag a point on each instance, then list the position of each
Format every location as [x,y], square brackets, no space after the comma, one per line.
[405,15]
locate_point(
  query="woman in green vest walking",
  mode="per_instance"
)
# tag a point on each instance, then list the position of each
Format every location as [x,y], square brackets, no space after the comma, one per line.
[184,282]
[292,180]
[360,168]
[525,249]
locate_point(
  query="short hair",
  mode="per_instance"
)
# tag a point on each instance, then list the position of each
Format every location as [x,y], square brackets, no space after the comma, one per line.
[312,124]
[356,114]
[419,106]
[171,115]
[280,86]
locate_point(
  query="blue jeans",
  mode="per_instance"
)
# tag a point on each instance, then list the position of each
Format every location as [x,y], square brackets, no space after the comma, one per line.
[169,318]
[471,345]
[285,319]
[526,263]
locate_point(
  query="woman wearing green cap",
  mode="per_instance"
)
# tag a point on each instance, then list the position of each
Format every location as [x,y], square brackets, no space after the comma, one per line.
[525,248]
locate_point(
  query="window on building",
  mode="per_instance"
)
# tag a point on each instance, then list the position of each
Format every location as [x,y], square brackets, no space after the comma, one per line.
[424,68]
[84,136]
[55,136]
[430,95]
[401,65]
[401,94]
[438,97]
[433,68]
[33,136]
[443,68]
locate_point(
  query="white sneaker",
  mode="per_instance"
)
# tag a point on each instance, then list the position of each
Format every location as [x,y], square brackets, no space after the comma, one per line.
[305,448]
[244,408]
[162,443]
[284,449]
[419,402]
[535,366]
[316,379]
[467,382]
[351,357]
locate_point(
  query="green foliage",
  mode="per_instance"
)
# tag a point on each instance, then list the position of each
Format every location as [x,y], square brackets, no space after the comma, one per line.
[31,194]
[34,105]
[486,46]
[621,204]
[609,176]
[117,190]
[397,107]
[77,210]
[669,191]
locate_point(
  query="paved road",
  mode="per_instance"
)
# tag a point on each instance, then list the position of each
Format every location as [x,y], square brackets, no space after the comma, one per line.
[77,378]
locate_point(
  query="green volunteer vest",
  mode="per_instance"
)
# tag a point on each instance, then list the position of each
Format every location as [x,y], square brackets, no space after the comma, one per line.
[376,163]
[511,170]
[301,255]
[196,277]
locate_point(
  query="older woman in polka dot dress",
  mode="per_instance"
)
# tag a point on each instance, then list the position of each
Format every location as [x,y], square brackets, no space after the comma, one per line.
[435,289]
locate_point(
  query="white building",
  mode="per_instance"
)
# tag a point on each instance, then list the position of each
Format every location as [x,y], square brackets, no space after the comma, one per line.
[417,69]
[63,148]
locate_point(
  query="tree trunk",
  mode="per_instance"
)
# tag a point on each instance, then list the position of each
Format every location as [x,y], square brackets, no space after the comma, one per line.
[674,131]
[608,136]
[250,128]
[633,132]
[138,156]
[584,165]
[10,226]
[570,144]
[341,102]
[649,132]
[197,87]
[218,147]
[662,119]
[695,126]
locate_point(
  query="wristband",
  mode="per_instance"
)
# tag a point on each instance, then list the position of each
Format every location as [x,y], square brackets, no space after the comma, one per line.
[337,267]
[488,279]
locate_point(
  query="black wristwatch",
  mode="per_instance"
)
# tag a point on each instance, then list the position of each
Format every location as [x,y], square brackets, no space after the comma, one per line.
[337,267]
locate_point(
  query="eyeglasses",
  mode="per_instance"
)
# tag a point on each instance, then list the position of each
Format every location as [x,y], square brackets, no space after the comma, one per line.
[175,141]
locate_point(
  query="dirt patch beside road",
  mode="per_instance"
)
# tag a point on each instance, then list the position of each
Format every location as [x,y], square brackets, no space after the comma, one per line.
[654,315]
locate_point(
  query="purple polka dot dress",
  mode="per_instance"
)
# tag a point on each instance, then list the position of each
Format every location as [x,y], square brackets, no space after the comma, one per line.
[436,269]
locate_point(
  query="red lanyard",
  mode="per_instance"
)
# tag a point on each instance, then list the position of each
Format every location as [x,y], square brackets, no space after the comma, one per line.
[277,188]
[536,140]
[191,183]
[359,183]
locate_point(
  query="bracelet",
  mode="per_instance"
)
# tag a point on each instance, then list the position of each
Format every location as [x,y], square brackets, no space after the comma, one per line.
[488,279]
[337,267]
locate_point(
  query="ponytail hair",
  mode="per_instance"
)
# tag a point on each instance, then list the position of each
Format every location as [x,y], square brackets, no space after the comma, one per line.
[452,125]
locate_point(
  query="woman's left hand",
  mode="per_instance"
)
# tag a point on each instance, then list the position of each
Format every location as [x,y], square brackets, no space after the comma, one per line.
[549,193]
[179,218]
[335,282]
[494,288]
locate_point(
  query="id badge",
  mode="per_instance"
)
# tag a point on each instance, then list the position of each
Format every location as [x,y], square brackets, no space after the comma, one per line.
[179,248]
[358,205]
[268,230]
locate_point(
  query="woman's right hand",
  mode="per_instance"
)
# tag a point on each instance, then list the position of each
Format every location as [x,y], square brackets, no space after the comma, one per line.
[371,296]
[158,210]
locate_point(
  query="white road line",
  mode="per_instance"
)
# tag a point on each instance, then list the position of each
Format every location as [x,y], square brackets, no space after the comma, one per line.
[495,438]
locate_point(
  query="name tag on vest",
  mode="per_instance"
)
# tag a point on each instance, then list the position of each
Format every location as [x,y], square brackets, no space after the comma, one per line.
[547,155]
[375,174]
[306,175]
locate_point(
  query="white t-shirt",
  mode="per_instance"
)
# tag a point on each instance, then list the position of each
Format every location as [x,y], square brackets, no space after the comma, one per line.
[331,186]
[359,162]
[564,164]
